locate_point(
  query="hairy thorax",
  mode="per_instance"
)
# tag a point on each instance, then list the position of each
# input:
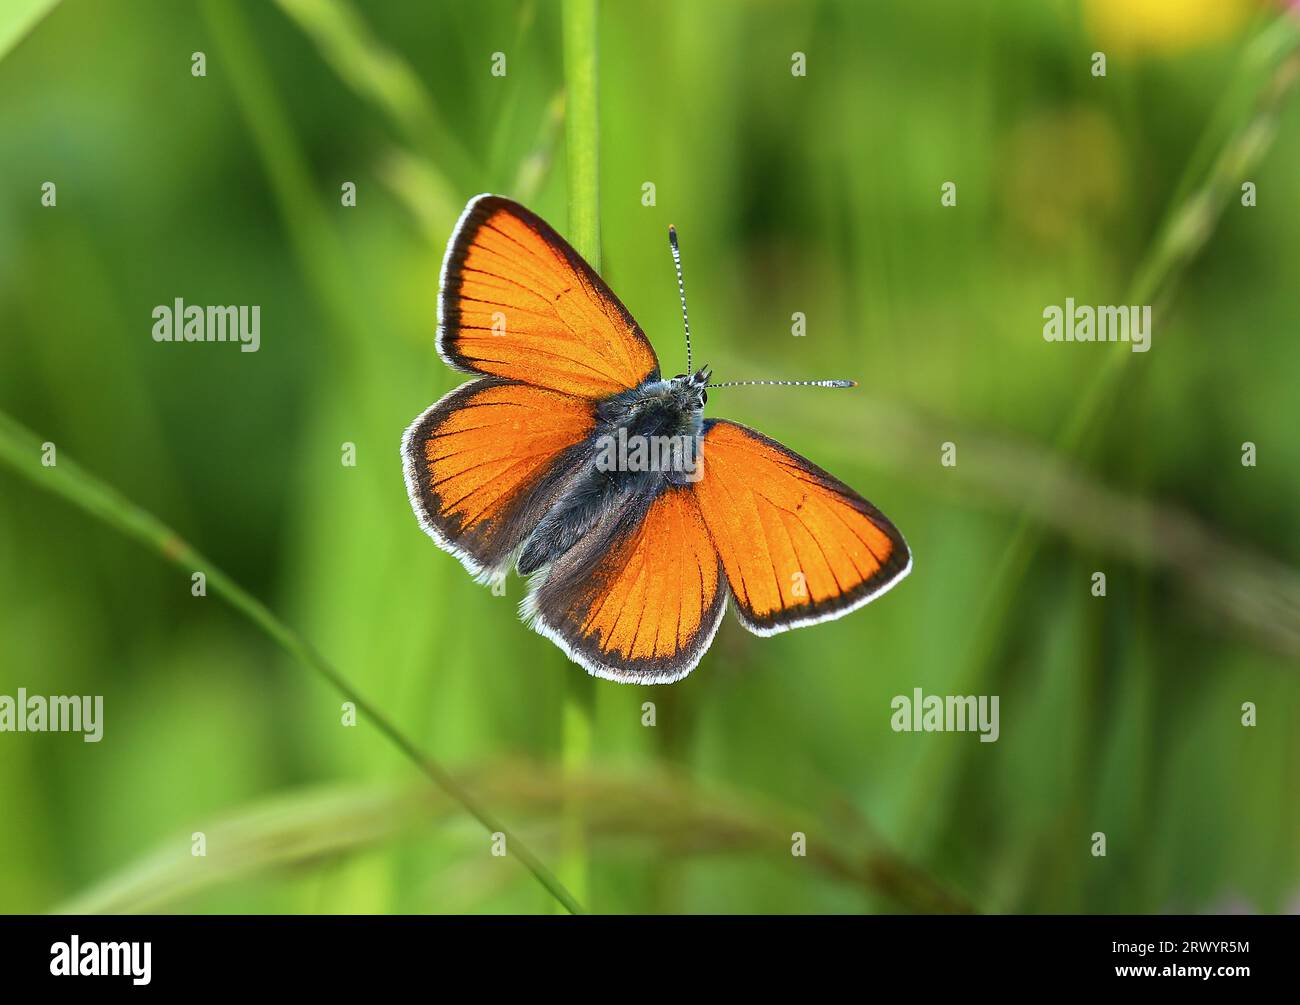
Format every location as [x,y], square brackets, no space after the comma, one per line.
[645,439]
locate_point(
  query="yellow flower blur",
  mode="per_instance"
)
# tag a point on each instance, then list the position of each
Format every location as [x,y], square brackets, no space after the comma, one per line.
[1165,25]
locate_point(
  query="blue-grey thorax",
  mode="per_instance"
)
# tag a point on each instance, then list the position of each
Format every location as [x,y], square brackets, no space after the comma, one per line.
[600,499]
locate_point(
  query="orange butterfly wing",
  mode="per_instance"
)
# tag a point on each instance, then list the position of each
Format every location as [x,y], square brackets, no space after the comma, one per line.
[517,301]
[798,546]
[640,598]
[484,463]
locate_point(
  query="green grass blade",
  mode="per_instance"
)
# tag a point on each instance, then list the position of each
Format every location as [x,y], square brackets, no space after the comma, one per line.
[582,130]
[21,450]
[382,77]
[671,814]
[582,139]
[18,18]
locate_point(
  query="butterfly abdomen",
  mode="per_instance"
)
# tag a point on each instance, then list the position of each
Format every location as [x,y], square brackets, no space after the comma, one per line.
[593,498]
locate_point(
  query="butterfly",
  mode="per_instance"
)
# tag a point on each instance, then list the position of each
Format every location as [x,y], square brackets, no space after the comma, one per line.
[569,458]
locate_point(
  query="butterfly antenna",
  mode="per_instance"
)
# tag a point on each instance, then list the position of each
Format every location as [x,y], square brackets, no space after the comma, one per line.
[681,290]
[787,383]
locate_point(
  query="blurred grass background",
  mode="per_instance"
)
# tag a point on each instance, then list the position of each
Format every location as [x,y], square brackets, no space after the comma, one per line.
[817,194]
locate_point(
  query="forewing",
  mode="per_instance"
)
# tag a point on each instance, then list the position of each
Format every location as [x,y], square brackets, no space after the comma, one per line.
[516,300]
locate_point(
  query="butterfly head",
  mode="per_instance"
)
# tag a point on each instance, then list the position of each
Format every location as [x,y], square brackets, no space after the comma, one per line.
[688,389]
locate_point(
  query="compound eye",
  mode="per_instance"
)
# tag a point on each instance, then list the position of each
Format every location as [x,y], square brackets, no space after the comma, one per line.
[704,397]
[680,376]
